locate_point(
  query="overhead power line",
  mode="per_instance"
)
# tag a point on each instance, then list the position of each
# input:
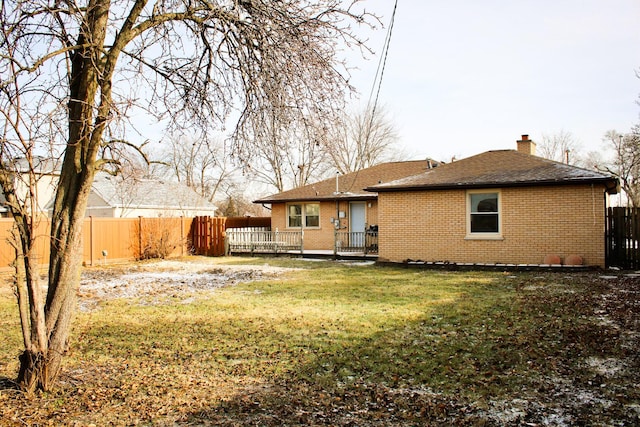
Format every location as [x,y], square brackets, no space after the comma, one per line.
[377,81]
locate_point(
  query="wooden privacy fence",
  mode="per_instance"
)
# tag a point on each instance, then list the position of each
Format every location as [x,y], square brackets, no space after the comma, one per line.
[623,238]
[208,233]
[247,221]
[109,239]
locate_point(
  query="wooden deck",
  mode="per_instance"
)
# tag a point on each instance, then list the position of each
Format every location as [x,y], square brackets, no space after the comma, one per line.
[265,241]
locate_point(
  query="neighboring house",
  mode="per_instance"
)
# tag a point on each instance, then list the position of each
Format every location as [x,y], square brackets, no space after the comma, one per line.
[5,212]
[112,196]
[115,197]
[498,207]
[336,203]
[47,172]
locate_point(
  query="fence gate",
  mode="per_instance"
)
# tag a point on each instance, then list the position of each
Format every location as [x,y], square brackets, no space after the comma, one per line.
[623,238]
[207,235]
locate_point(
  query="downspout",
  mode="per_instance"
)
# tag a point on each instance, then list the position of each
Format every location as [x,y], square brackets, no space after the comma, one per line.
[337,202]
[336,223]
[593,203]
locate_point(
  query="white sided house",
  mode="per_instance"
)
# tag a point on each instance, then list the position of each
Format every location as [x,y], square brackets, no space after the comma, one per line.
[47,173]
[116,197]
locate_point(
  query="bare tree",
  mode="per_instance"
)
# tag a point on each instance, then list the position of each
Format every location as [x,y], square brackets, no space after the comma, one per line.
[237,204]
[202,164]
[288,151]
[561,147]
[625,163]
[364,139]
[78,74]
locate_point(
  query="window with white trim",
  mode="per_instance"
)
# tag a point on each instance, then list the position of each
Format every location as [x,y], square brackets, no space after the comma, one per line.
[484,213]
[305,215]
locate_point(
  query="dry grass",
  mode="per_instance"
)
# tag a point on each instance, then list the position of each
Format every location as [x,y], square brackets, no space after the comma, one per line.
[335,344]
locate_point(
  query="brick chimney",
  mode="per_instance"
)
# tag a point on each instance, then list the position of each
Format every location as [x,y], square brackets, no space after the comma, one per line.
[527,146]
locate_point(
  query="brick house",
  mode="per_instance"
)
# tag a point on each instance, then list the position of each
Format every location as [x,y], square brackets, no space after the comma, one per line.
[498,207]
[341,202]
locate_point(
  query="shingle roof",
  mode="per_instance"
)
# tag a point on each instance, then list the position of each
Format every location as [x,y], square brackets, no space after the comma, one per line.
[146,193]
[351,186]
[500,168]
[41,165]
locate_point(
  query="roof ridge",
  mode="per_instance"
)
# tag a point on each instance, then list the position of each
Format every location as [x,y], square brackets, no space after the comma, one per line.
[353,182]
[498,168]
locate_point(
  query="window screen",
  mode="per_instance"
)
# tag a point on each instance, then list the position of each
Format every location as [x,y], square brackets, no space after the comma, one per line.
[484,213]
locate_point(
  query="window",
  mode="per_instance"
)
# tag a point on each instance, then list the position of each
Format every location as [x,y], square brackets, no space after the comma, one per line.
[484,213]
[295,216]
[303,215]
[312,215]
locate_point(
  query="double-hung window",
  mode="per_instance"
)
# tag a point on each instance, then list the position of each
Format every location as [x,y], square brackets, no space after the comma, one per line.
[303,215]
[484,214]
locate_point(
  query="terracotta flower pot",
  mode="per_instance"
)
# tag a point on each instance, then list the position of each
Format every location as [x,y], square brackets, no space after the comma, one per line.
[573,260]
[552,259]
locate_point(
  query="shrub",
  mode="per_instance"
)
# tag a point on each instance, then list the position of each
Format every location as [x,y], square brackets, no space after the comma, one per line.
[157,237]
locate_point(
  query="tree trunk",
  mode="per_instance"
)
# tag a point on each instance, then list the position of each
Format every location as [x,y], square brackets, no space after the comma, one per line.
[64,272]
[31,308]
[40,365]
[41,361]
[32,374]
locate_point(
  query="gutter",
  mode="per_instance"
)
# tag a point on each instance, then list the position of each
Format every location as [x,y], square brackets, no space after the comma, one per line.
[459,186]
[333,197]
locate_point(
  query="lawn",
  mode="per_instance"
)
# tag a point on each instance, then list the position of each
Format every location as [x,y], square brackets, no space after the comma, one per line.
[331,343]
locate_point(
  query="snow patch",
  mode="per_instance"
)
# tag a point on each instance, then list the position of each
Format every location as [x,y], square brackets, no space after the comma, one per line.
[165,279]
[607,367]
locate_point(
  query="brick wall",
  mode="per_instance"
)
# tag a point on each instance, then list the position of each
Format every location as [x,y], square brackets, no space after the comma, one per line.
[536,221]
[322,238]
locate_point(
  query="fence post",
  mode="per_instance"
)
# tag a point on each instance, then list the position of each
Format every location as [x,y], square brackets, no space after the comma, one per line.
[182,241]
[301,241]
[91,241]
[210,236]
[140,236]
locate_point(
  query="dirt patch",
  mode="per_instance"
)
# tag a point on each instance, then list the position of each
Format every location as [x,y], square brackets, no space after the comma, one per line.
[153,282]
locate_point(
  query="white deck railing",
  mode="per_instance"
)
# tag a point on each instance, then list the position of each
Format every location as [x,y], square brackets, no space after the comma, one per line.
[245,240]
[263,240]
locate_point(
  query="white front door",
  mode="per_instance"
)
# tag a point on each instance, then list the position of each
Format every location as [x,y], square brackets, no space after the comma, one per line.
[357,222]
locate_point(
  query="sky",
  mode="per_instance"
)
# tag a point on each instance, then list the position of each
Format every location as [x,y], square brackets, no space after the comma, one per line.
[466,76]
